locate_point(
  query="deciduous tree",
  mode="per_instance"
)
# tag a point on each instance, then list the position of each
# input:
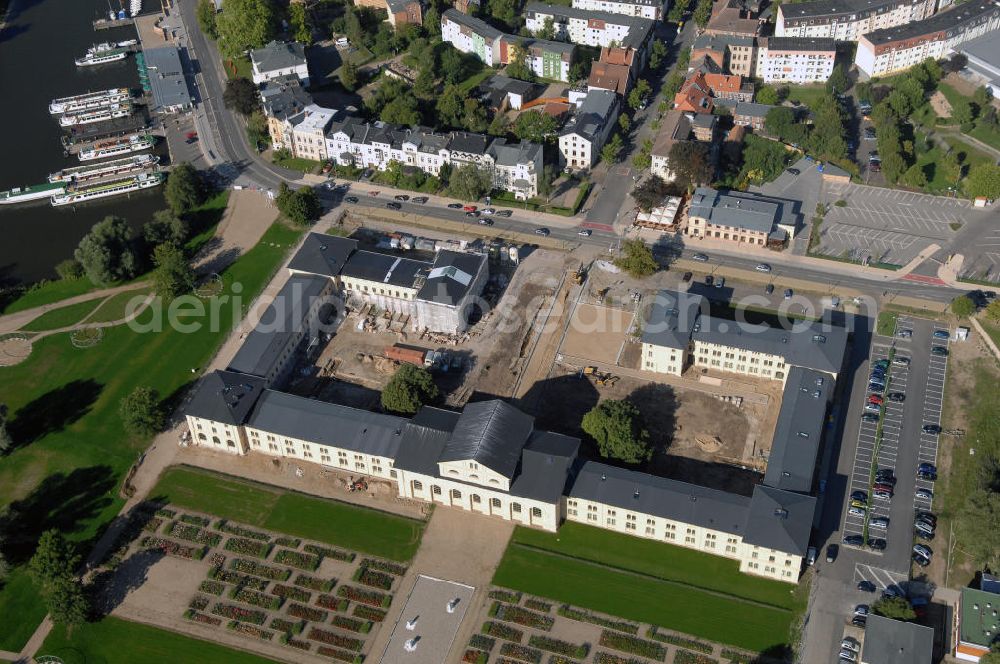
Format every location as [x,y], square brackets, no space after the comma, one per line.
[657,52]
[915,177]
[612,149]
[206,18]
[978,527]
[469,183]
[983,180]
[106,253]
[637,96]
[165,226]
[637,259]
[141,412]
[410,388]
[53,569]
[691,162]
[245,24]
[298,21]
[301,206]
[349,75]
[896,608]
[535,126]
[185,190]
[172,275]
[652,191]
[767,94]
[838,81]
[618,429]
[241,96]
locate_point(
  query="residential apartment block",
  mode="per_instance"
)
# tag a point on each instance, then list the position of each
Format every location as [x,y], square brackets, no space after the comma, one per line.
[512,167]
[282,98]
[546,58]
[746,114]
[278,59]
[307,131]
[472,35]
[894,49]
[741,218]
[404,12]
[735,18]
[847,20]
[436,295]
[581,140]
[676,127]
[591,28]
[795,59]
[651,9]
[735,54]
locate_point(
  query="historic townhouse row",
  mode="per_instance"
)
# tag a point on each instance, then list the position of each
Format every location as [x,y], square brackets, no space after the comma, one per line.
[489,458]
[847,20]
[894,49]
[547,59]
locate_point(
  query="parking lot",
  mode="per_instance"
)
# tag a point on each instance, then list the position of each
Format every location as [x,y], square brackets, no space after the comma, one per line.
[982,259]
[886,225]
[904,444]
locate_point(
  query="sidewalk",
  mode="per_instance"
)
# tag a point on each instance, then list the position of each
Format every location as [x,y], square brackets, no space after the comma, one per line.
[15,321]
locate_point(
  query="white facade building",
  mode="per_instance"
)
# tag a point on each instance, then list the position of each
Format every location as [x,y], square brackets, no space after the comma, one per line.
[652,9]
[471,35]
[847,20]
[581,140]
[795,59]
[279,59]
[895,49]
[589,27]
[308,132]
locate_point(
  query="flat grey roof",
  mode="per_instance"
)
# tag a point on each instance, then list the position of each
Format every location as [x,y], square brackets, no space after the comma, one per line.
[986,49]
[837,8]
[801,421]
[166,77]
[491,433]
[889,641]
[323,254]
[779,520]
[325,423]
[662,497]
[385,268]
[588,14]
[672,318]
[593,113]
[812,345]
[545,465]
[225,396]
[282,319]
[950,22]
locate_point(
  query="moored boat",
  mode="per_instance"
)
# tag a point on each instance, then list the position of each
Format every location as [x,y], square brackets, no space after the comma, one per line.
[89,101]
[33,193]
[118,146]
[105,169]
[101,58]
[81,194]
[89,117]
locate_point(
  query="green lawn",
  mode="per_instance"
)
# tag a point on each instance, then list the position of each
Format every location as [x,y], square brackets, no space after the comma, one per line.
[358,528]
[238,68]
[885,324]
[991,330]
[116,641]
[62,317]
[299,164]
[664,561]
[70,448]
[115,307]
[989,136]
[951,94]
[644,599]
[49,292]
[473,81]
[806,94]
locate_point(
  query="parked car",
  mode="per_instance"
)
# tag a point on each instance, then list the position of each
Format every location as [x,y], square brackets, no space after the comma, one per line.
[472,214]
[859,621]
[485,222]
[877,544]
[904,333]
[856,502]
[926,535]
[709,280]
[929,517]
[861,610]
[831,552]
[504,213]
[859,495]
[884,362]
[882,495]
[769,289]
[927,467]
[701,258]
[879,522]
[923,550]
[939,350]
[921,560]
[853,540]
[489,211]
[585,232]
[924,494]
[893,591]
[931,428]
[866,587]
[873,407]
[926,475]
[847,656]
[469,208]
[392,205]
[793,171]
[811,555]
[875,399]
[901,361]
[542,231]
[687,277]
[855,510]
[455,206]
[720,282]
[849,642]
[763,267]
[788,293]
[882,486]
[876,387]
[869,417]
[351,199]
[401,197]
[941,334]
[898,397]
[419,199]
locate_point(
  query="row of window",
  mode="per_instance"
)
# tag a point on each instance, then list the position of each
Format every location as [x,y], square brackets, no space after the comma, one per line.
[456,494]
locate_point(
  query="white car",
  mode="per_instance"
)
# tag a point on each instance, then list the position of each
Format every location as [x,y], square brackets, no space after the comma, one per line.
[489,211]
[585,232]
[850,643]
[763,267]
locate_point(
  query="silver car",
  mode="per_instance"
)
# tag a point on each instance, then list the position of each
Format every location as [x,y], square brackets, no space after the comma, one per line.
[879,522]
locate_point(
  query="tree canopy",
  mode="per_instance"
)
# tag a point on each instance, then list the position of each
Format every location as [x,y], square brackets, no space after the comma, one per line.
[838,81]
[978,527]
[652,191]
[301,206]
[469,183]
[6,442]
[185,190]
[691,162]
[618,429]
[106,252]
[637,259]
[763,159]
[409,388]
[897,608]
[535,126]
[53,569]
[244,25]
[165,226]
[206,18]
[141,412]
[172,275]
[983,180]
[612,149]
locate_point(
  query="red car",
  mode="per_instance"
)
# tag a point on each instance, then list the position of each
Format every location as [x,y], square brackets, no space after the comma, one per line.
[875,399]
[881,486]
[469,208]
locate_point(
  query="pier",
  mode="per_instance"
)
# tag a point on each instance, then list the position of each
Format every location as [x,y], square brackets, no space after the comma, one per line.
[107,23]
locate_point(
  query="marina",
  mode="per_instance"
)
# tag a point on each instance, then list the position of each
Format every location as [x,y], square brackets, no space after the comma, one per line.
[89,101]
[109,112]
[116,147]
[99,54]
[83,137]
[105,169]
[105,189]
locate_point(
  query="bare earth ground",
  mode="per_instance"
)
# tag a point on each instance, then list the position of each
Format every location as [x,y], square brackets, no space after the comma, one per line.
[940,105]
[247,216]
[597,333]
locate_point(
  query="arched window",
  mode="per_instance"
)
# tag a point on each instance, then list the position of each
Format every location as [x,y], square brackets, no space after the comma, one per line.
[436,490]
[455,493]
[515,507]
[215,439]
[476,499]
[536,512]
[495,502]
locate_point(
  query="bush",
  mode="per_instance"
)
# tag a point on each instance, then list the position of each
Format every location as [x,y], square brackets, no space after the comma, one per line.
[608,658]
[332,603]
[69,269]
[583,616]
[508,596]
[231,529]
[501,631]
[368,613]
[337,640]
[198,603]
[304,561]
[384,566]
[238,579]
[234,612]
[195,616]
[313,583]
[291,592]
[340,655]
[521,653]
[482,642]
[288,626]
[259,569]
[290,542]
[193,534]
[306,613]
[516,614]
[473,656]
[248,547]
[250,630]
[326,552]
[537,605]
[685,657]
[683,642]
[212,587]
[351,624]
[633,645]
[559,647]
[374,579]
[254,598]
[369,597]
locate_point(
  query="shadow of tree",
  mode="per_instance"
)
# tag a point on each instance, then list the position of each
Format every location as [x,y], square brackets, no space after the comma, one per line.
[61,501]
[111,587]
[53,411]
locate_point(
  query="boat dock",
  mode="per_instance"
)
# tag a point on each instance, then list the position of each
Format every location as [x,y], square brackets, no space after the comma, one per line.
[107,23]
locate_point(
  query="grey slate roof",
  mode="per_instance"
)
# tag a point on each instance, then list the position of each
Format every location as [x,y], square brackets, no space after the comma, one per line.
[548,45]
[889,641]
[838,8]
[451,277]
[278,55]
[478,26]
[166,77]
[507,84]
[384,268]
[720,42]
[662,497]
[281,320]
[742,210]
[323,254]
[797,435]
[512,154]
[464,141]
[950,22]
[752,109]
[492,433]
[813,345]
[596,110]
[225,396]
[672,318]
[779,520]
[545,465]
[284,97]
[562,13]
[290,416]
